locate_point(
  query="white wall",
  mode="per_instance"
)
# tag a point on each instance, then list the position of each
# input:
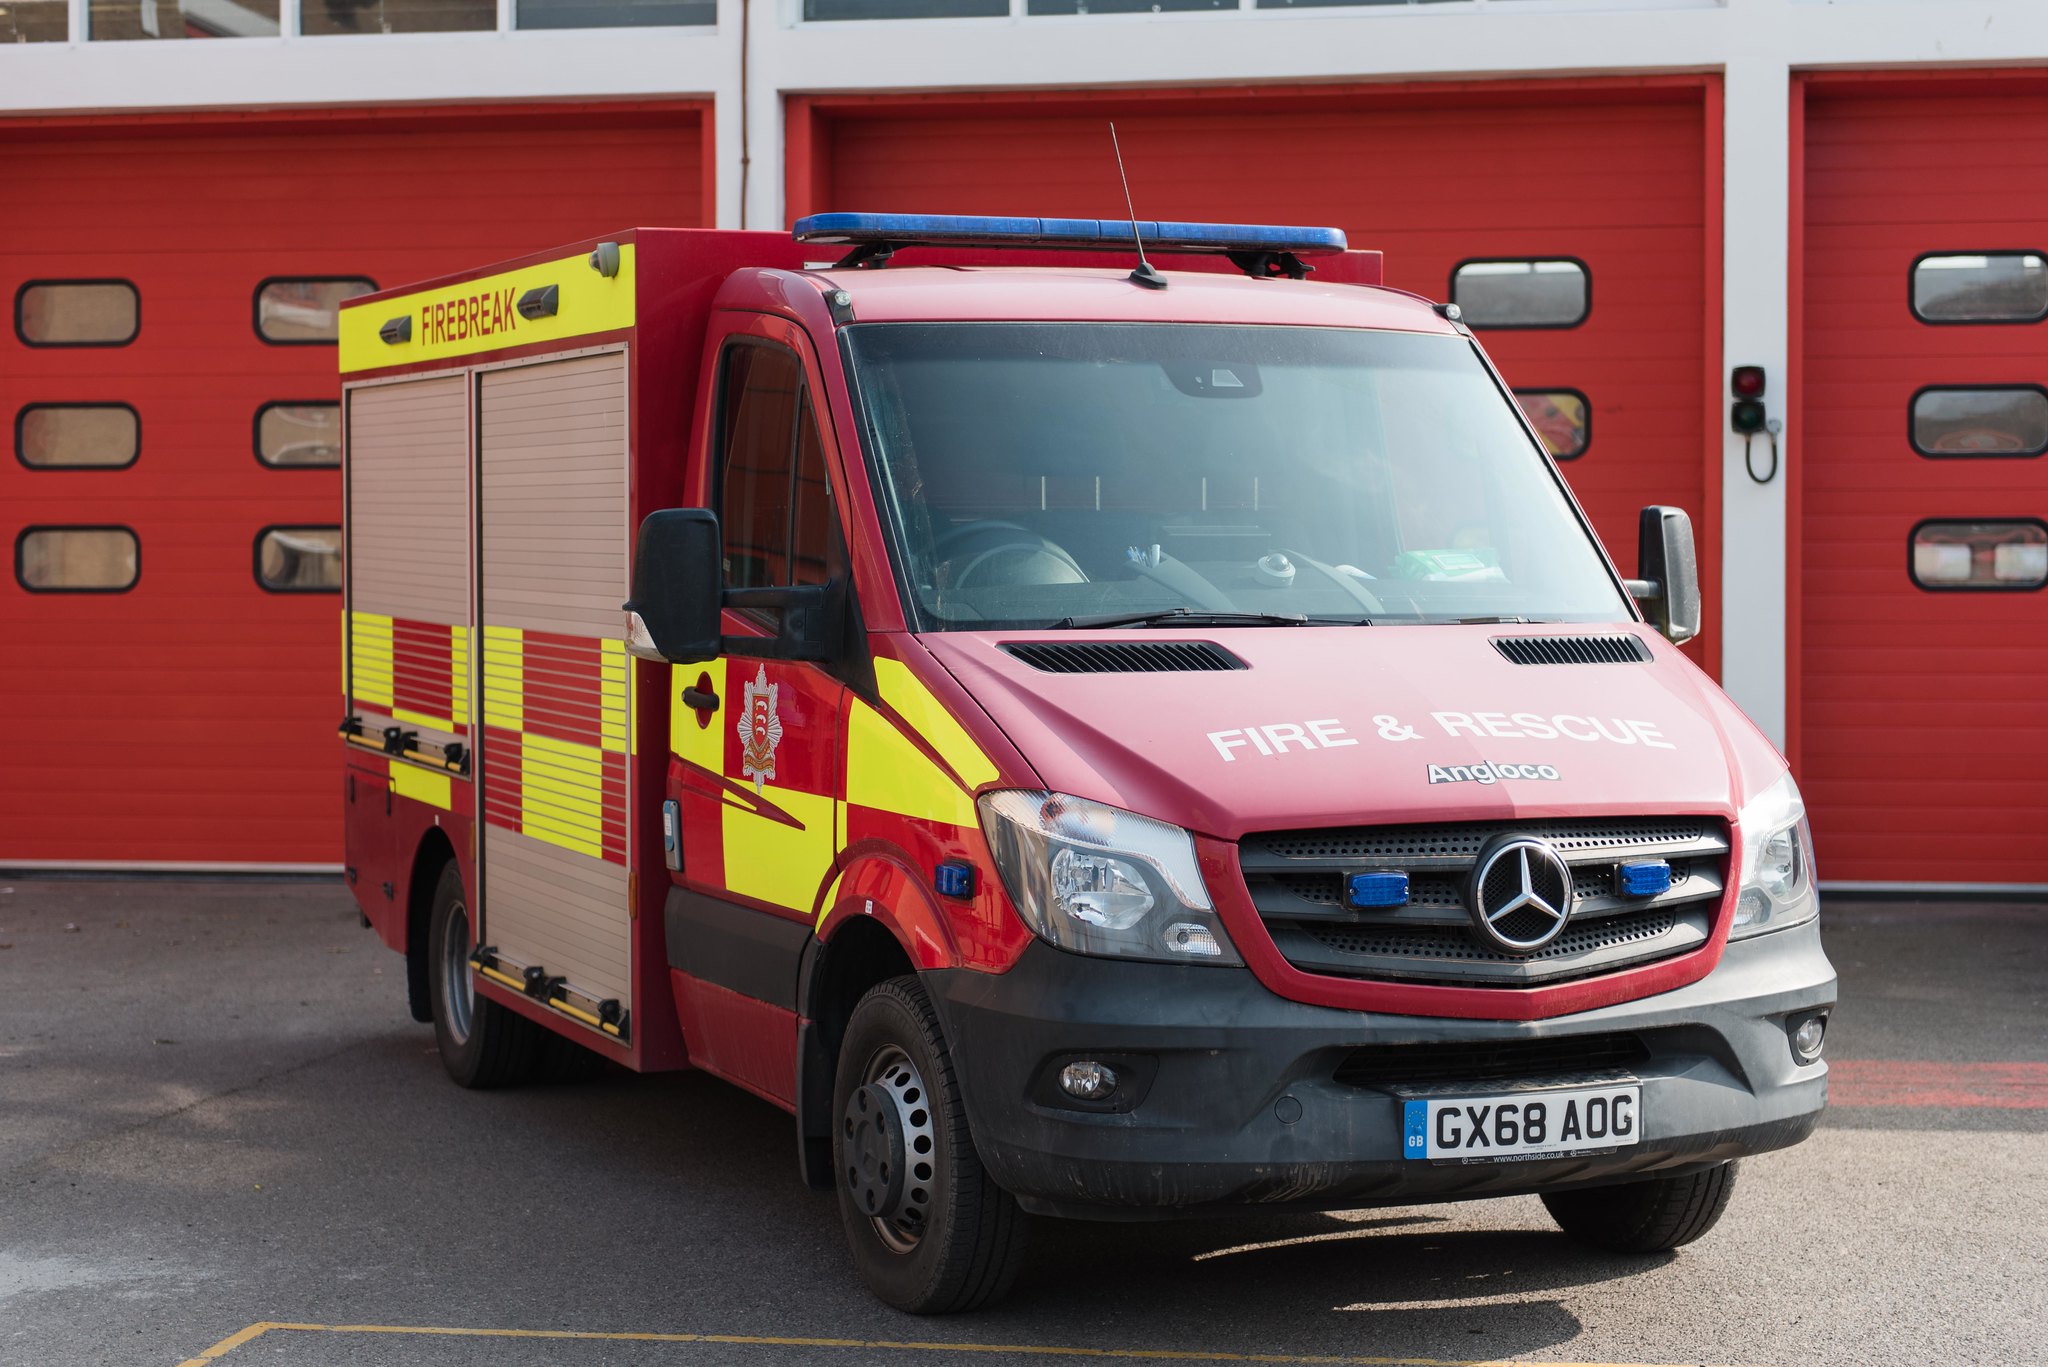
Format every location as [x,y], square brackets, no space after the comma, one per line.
[1757,44]
[1472,38]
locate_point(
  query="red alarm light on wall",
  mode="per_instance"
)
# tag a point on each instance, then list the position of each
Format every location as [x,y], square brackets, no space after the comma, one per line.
[1746,415]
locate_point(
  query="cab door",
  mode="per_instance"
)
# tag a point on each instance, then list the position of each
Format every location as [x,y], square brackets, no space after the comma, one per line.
[757,763]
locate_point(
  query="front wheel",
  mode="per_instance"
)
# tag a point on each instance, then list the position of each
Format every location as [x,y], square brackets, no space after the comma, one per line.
[482,1043]
[1651,1216]
[930,1231]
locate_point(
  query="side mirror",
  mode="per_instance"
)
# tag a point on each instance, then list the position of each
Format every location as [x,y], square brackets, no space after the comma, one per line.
[1667,581]
[678,571]
[679,595]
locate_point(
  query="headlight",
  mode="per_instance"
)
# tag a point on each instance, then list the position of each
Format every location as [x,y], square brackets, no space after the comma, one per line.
[1098,880]
[1777,863]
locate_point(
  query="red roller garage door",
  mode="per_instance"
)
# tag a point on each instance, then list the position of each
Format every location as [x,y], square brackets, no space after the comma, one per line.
[1921,732]
[1622,176]
[190,717]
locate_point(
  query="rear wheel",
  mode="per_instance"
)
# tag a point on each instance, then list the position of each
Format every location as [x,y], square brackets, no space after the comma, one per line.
[482,1043]
[930,1231]
[1652,1216]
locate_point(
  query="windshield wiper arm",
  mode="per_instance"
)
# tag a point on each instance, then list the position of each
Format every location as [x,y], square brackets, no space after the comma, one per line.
[1502,621]
[1192,617]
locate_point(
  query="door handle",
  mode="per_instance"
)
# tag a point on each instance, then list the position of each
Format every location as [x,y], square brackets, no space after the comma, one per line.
[702,699]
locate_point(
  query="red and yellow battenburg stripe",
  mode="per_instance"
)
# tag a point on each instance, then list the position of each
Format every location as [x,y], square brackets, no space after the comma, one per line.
[556,718]
[418,672]
[904,776]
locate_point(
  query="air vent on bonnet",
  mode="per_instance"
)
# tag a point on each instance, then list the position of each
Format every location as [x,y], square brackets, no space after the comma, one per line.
[1617,649]
[1123,657]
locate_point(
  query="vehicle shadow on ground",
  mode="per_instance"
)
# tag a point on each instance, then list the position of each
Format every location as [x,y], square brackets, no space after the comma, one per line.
[711,1164]
[1404,1283]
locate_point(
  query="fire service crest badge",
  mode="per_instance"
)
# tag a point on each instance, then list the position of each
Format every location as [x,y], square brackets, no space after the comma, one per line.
[760,730]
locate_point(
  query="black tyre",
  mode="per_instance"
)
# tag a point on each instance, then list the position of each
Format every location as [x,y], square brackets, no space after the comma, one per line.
[931,1233]
[1652,1216]
[482,1043]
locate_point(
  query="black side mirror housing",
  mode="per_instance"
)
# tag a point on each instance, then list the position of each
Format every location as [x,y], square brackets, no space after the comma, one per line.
[675,613]
[1667,581]
[811,616]
[678,572]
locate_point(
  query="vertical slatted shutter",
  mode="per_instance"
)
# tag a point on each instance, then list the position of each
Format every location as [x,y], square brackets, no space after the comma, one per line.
[1921,741]
[554,673]
[114,714]
[408,562]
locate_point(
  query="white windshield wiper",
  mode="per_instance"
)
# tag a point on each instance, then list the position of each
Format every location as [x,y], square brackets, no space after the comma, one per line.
[1190,617]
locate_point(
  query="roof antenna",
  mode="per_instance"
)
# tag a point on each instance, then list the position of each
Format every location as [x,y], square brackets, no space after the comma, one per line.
[1144,275]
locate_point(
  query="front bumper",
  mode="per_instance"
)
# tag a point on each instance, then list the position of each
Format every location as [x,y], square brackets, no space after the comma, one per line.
[1233,1098]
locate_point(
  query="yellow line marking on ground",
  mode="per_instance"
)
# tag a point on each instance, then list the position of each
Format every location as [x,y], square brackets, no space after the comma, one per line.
[240,1337]
[262,1327]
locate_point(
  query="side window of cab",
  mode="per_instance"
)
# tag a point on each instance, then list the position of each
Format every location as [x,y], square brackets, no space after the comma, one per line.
[773,500]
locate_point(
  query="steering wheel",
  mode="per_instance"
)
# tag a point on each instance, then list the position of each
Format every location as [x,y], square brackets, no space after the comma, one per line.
[1007,539]
[940,547]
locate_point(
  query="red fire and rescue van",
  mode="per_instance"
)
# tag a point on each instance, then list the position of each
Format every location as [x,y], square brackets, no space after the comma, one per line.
[1088,741]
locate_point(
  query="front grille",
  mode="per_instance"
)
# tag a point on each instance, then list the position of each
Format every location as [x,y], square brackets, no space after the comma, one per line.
[1297,880]
[1462,840]
[1447,890]
[1500,1061]
[1124,657]
[1445,942]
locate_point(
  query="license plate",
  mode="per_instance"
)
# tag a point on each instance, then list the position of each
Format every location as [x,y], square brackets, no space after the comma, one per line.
[1522,1124]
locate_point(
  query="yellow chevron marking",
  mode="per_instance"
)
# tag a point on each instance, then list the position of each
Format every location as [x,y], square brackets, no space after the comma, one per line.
[776,862]
[884,770]
[927,716]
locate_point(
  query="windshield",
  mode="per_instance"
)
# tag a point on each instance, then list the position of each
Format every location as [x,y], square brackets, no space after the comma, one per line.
[1033,473]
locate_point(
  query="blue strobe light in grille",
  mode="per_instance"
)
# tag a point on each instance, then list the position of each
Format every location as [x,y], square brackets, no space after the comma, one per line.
[1644,878]
[1377,889]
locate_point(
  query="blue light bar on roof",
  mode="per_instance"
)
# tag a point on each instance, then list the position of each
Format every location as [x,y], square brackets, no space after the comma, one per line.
[963,230]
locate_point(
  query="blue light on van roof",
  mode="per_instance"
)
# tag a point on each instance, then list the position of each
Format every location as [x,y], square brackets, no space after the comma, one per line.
[970,230]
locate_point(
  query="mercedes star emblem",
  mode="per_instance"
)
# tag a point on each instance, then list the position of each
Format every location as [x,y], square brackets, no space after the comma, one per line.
[1521,895]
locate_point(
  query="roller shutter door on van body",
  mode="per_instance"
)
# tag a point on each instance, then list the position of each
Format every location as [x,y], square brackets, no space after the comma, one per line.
[192,718]
[1921,731]
[555,716]
[1611,174]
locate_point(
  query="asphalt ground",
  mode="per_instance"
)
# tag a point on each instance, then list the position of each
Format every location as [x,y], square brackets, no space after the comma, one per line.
[222,1139]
